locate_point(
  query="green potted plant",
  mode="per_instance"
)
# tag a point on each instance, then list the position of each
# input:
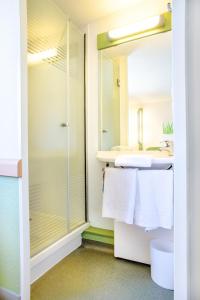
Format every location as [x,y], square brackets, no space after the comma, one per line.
[168,131]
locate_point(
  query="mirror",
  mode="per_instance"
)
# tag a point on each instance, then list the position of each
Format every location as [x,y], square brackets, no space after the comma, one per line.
[135,94]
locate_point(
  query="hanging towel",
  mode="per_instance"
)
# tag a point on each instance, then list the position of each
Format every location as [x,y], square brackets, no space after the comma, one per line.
[154,207]
[119,194]
[133,161]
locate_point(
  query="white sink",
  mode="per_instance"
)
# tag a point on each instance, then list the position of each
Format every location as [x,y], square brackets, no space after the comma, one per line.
[160,159]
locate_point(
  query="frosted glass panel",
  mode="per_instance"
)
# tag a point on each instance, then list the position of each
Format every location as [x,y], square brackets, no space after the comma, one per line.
[77,132]
[56,149]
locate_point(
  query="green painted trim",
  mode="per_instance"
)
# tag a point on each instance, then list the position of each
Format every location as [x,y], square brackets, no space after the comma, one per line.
[153,149]
[99,235]
[103,41]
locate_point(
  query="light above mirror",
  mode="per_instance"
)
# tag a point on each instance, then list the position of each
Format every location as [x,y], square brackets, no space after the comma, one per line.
[144,25]
[144,28]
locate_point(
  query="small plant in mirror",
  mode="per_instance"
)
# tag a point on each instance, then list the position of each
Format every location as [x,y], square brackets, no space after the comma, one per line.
[168,128]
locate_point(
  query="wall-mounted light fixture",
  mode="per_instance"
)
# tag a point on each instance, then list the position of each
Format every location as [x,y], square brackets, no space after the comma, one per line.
[34,58]
[135,28]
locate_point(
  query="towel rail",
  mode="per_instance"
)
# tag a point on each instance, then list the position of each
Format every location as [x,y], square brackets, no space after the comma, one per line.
[170,167]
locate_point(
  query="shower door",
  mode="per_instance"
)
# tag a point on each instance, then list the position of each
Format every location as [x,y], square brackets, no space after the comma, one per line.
[56,124]
[76,142]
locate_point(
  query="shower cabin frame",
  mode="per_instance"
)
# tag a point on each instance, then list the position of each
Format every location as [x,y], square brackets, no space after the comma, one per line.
[181,208]
[33,268]
[52,254]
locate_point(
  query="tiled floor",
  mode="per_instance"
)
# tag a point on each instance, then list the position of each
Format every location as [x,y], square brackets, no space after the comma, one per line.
[89,274]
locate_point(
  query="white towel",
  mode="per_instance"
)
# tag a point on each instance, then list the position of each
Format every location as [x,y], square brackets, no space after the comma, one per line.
[119,194]
[154,206]
[133,161]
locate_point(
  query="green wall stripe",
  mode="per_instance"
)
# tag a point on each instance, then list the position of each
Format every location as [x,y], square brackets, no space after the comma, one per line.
[99,235]
[103,41]
[9,234]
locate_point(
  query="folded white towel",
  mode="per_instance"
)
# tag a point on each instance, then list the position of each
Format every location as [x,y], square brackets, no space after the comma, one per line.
[154,206]
[133,161]
[119,194]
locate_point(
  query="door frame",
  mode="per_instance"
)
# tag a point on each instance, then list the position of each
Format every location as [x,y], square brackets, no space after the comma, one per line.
[24,182]
[180,169]
[181,213]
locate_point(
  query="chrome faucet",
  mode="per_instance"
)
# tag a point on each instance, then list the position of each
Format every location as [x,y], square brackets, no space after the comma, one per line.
[167,146]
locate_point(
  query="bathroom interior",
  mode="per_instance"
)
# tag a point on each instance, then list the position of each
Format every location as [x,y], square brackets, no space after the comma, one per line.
[100,151]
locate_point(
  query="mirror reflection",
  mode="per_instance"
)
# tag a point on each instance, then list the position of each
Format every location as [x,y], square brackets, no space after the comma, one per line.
[135,94]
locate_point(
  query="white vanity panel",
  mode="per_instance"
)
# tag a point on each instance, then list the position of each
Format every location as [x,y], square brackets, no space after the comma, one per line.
[133,243]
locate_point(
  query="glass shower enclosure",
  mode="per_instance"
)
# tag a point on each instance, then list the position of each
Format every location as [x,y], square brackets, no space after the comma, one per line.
[56,124]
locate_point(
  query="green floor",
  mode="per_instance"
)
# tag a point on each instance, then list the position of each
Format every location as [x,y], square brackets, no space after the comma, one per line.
[89,274]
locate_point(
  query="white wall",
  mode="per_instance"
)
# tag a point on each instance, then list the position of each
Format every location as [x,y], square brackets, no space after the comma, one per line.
[10,101]
[142,10]
[181,213]
[13,114]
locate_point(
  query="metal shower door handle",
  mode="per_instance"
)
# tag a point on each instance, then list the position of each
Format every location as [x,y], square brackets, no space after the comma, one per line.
[64,124]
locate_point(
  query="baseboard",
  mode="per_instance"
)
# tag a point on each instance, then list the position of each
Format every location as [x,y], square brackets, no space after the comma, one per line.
[98,246]
[48,258]
[8,295]
[99,235]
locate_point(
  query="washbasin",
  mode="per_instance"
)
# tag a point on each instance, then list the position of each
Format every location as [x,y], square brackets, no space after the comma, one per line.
[160,159]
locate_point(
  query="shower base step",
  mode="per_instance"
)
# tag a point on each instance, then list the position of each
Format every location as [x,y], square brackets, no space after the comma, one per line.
[99,235]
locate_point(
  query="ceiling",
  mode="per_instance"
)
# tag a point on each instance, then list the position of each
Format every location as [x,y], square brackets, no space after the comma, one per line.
[83,12]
